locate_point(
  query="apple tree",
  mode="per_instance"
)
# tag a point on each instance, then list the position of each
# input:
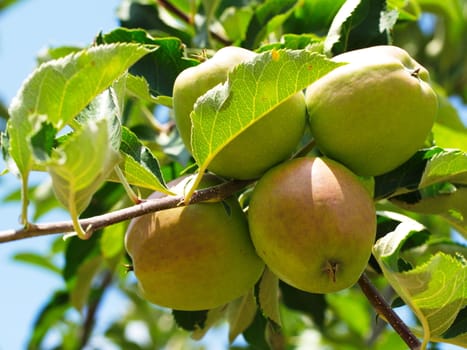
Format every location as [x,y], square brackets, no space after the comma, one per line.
[291,172]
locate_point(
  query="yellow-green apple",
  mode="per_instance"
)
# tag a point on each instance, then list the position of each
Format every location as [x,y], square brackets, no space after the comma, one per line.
[373,113]
[269,141]
[195,257]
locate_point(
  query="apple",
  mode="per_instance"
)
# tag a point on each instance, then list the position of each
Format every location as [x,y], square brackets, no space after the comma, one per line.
[373,113]
[196,257]
[313,223]
[266,143]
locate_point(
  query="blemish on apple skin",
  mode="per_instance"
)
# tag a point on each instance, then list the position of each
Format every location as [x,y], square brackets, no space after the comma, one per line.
[309,67]
[331,268]
[275,55]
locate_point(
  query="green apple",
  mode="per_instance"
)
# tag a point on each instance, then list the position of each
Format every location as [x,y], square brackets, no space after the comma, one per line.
[266,143]
[313,223]
[373,113]
[196,257]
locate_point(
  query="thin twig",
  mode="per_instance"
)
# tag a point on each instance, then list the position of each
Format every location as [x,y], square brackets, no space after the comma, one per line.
[93,306]
[94,223]
[386,312]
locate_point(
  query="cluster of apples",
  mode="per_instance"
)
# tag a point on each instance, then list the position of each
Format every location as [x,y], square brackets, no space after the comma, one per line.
[310,220]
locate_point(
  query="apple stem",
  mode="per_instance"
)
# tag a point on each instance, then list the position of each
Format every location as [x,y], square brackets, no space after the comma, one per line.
[383,309]
[415,72]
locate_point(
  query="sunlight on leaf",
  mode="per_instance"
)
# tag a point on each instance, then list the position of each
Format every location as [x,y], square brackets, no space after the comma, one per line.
[56,92]
[435,290]
[76,175]
[222,113]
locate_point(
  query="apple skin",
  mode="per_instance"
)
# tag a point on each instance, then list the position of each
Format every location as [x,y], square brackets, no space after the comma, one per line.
[196,257]
[313,223]
[266,143]
[373,113]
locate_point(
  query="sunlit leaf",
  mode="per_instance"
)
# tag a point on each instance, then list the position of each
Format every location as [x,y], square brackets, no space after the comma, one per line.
[268,297]
[140,167]
[241,313]
[435,290]
[56,92]
[263,83]
[75,175]
[359,24]
[266,18]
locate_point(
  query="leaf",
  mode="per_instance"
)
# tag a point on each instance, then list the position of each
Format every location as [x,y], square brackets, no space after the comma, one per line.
[75,175]
[314,305]
[138,86]
[359,24]
[241,313]
[268,297]
[190,320]
[267,17]
[162,66]
[213,316]
[264,82]
[451,206]
[56,92]
[139,165]
[112,241]
[435,289]
[86,272]
[48,316]
[37,260]
[446,165]
[426,167]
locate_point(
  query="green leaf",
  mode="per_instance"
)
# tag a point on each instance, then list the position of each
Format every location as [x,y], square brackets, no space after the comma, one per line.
[138,87]
[268,17]
[435,289]
[190,320]
[235,22]
[83,280]
[359,24]
[162,66]
[264,82]
[241,313]
[56,92]
[268,297]
[47,318]
[75,175]
[446,165]
[212,318]
[447,137]
[313,305]
[112,241]
[37,260]
[61,88]
[139,165]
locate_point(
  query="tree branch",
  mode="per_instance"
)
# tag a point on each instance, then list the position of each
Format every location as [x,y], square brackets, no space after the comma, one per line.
[385,311]
[94,223]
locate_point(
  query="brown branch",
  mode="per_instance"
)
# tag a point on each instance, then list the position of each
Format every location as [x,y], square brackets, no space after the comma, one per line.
[94,223]
[92,309]
[386,312]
